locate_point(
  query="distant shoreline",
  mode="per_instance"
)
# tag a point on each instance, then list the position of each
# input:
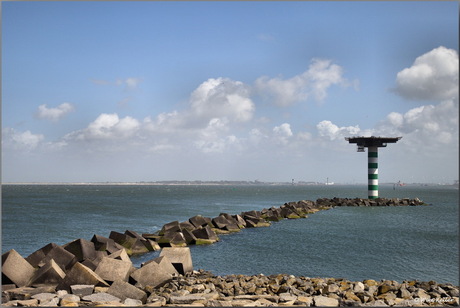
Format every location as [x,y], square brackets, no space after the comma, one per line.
[217,183]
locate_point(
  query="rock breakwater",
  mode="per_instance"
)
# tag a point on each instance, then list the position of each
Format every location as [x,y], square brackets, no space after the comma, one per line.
[100,272]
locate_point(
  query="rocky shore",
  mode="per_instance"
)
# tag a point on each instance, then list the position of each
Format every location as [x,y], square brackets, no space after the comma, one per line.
[203,289]
[99,272]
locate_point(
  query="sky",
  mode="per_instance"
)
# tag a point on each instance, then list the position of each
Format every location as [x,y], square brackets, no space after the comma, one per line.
[130,91]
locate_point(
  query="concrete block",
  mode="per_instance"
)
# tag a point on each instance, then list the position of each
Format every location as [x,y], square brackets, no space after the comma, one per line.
[62,257]
[82,289]
[152,245]
[36,258]
[239,221]
[133,245]
[155,273]
[134,234]
[122,239]
[90,264]
[16,269]
[180,258]
[173,226]
[186,225]
[190,239]
[111,269]
[138,247]
[124,290]
[205,233]
[102,243]
[198,221]
[81,274]
[120,255]
[82,249]
[50,273]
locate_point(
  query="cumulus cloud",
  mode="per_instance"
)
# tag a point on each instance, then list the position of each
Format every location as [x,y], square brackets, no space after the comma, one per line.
[314,82]
[328,129]
[54,114]
[433,76]
[222,97]
[428,124]
[21,140]
[108,127]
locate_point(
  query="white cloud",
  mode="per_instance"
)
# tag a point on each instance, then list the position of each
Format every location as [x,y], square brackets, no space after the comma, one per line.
[426,125]
[130,83]
[433,76]
[54,114]
[107,126]
[328,129]
[314,82]
[21,140]
[222,97]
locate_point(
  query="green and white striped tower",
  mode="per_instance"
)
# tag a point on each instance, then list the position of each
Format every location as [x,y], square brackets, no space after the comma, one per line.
[373,172]
[373,144]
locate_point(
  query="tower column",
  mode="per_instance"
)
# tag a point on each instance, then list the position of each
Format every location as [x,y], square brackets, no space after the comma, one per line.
[373,172]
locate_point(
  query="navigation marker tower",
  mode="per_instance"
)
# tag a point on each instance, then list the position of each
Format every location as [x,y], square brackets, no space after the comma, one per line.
[373,144]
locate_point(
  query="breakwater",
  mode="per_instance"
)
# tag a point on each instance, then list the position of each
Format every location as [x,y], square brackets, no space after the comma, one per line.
[104,263]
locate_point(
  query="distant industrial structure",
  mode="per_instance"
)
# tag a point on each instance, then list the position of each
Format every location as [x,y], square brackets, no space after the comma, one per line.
[373,144]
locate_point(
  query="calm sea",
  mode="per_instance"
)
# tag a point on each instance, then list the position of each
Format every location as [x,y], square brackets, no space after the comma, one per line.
[356,243]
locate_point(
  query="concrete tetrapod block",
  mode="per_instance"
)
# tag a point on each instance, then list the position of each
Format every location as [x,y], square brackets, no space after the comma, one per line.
[81,274]
[180,258]
[111,269]
[16,269]
[82,249]
[50,273]
[154,273]
[124,290]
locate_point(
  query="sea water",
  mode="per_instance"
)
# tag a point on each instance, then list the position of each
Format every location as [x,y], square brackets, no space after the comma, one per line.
[356,243]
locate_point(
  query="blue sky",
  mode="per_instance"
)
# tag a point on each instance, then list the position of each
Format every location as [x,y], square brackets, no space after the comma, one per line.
[147,91]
